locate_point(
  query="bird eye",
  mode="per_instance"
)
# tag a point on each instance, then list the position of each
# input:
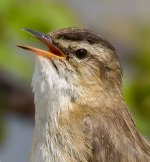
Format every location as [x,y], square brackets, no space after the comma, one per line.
[81,53]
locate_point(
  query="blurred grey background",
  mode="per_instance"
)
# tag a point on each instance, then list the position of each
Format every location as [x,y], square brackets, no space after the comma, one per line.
[125,23]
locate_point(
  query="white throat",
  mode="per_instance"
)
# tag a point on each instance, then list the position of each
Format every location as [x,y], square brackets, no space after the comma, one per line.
[52,96]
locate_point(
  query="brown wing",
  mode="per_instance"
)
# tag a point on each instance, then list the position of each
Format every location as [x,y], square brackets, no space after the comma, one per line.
[103,148]
[115,139]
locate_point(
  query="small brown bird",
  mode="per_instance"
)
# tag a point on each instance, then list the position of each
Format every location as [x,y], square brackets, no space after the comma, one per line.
[80,114]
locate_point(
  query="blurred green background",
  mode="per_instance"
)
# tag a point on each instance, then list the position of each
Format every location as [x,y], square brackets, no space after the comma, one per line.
[125,24]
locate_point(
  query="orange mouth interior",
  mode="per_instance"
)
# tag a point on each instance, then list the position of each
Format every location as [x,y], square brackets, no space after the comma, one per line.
[53,51]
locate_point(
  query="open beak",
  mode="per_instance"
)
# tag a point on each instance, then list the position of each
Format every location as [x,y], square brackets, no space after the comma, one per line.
[53,51]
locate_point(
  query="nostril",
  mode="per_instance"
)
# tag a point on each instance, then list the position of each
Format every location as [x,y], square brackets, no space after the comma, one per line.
[48,38]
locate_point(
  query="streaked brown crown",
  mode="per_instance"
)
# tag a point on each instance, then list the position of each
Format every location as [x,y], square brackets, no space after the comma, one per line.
[81,34]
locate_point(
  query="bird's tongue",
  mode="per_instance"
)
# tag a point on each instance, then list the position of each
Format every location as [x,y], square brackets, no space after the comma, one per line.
[53,52]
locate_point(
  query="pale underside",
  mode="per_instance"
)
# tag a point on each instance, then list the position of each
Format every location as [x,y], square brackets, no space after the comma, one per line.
[52,141]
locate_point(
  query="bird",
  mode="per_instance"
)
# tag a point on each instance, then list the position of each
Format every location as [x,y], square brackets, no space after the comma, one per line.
[80,112]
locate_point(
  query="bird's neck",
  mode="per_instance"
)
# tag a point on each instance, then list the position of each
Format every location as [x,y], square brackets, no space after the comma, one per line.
[64,131]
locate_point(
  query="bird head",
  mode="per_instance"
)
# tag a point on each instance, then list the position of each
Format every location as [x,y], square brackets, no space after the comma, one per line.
[77,60]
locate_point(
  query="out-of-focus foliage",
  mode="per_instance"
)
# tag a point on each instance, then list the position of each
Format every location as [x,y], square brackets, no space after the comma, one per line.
[42,15]
[138,91]
[46,15]
[35,14]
